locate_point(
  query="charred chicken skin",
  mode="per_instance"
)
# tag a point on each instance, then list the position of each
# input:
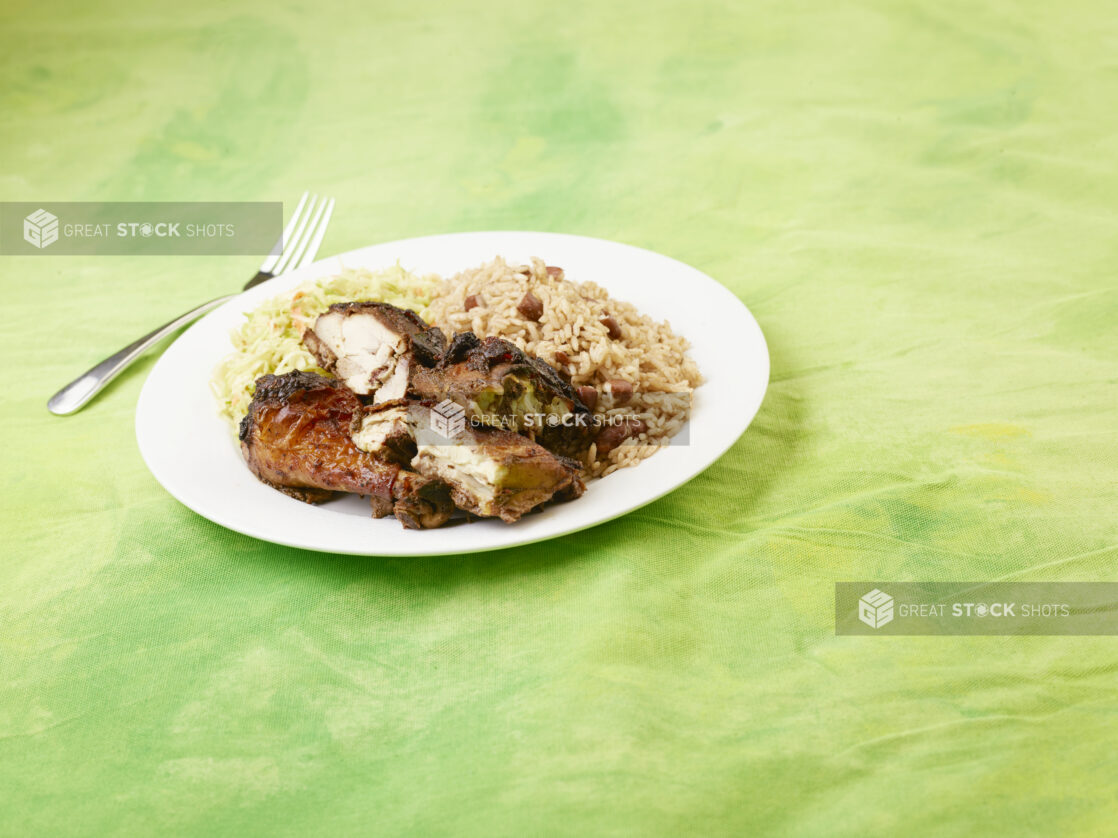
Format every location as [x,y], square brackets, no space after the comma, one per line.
[297,438]
[498,384]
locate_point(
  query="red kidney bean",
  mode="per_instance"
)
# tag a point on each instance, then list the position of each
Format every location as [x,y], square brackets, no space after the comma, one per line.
[621,391]
[588,395]
[611,327]
[530,307]
[612,436]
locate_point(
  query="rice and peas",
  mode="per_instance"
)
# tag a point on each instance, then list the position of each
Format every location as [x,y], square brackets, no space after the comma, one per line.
[573,334]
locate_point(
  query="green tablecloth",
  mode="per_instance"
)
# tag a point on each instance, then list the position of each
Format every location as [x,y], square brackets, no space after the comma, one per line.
[918,202]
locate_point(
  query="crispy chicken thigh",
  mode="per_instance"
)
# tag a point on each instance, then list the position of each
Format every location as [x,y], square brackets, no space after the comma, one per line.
[297,438]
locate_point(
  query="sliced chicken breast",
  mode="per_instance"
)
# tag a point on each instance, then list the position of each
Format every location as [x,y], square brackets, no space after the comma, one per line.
[367,345]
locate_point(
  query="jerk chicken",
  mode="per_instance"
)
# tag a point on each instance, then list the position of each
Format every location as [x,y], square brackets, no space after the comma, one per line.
[497,383]
[372,347]
[369,431]
[387,354]
[492,472]
[385,430]
[297,438]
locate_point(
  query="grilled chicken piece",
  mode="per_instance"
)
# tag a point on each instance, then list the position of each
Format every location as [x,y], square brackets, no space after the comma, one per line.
[497,383]
[370,346]
[492,472]
[391,354]
[384,430]
[296,438]
[422,503]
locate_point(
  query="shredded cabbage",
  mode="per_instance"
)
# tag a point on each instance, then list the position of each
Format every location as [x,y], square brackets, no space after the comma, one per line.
[271,338]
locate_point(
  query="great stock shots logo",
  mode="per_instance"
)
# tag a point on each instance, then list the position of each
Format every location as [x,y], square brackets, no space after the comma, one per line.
[875,609]
[160,228]
[448,419]
[40,228]
[976,608]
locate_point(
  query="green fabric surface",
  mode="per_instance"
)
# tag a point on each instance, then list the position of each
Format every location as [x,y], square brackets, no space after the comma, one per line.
[918,201]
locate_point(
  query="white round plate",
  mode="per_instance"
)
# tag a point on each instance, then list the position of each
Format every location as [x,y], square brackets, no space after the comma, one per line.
[191,451]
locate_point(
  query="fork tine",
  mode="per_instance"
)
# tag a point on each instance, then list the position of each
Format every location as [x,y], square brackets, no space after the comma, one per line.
[297,249]
[292,244]
[269,264]
[316,241]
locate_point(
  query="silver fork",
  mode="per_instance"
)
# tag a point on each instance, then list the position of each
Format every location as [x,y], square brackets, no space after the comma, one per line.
[300,242]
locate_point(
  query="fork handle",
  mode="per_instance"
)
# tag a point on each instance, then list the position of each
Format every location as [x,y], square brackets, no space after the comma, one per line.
[75,395]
